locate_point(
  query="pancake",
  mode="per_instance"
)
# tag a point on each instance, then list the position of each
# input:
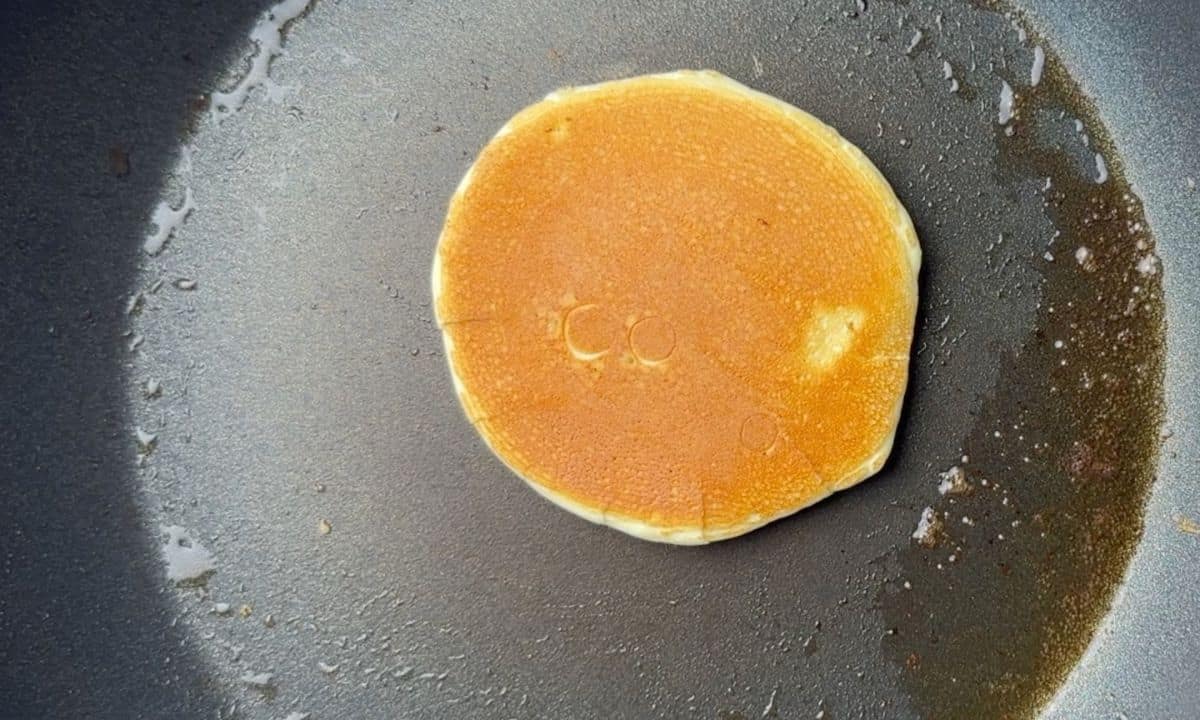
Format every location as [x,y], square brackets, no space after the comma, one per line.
[677,306]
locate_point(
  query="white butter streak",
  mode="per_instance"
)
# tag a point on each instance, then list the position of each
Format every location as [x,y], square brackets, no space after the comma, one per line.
[1007,101]
[1039,65]
[185,558]
[268,35]
[167,220]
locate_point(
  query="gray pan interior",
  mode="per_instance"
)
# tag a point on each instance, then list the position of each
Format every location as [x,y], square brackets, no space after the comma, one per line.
[302,381]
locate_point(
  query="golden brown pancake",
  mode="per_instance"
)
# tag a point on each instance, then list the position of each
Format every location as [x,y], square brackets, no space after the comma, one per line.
[677,306]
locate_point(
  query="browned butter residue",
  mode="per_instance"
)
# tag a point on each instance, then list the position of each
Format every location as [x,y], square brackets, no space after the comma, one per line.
[1067,443]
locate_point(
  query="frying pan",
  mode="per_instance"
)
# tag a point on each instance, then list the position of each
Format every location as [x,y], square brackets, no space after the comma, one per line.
[238,485]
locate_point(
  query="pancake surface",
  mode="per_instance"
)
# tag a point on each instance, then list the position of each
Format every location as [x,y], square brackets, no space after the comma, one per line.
[677,306]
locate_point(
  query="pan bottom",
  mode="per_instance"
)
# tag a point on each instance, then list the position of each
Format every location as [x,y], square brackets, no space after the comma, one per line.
[342,543]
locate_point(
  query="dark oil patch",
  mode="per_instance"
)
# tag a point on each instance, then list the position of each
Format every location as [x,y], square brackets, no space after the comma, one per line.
[1061,455]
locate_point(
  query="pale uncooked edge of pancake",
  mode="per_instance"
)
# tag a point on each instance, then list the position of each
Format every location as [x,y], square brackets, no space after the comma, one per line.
[906,234]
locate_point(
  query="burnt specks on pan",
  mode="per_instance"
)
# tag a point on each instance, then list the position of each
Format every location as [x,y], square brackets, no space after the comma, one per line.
[1063,450]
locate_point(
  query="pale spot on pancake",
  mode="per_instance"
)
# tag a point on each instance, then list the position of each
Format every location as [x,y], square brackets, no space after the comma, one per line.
[830,335]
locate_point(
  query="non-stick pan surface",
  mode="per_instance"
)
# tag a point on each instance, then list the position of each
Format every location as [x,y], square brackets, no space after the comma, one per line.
[241,487]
